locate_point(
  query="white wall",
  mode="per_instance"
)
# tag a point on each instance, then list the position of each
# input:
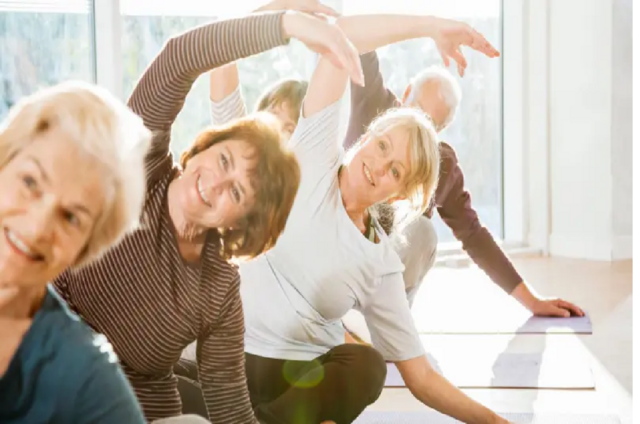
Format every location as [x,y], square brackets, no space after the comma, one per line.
[578,127]
[621,147]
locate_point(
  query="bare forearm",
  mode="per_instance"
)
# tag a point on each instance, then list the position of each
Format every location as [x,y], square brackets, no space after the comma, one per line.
[223,81]
[388,29]
[437,392]
[523,294]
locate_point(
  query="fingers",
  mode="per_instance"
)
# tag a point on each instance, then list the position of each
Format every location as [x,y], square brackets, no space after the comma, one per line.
[556,311]
[460,60]
[481,44]
[570,307]
[445,58]
[349,56]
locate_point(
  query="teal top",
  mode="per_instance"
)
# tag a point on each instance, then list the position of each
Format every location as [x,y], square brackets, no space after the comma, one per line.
[64,373]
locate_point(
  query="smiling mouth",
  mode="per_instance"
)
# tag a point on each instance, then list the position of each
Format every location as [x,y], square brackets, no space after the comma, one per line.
[202,194]
[21,247]
[367,174]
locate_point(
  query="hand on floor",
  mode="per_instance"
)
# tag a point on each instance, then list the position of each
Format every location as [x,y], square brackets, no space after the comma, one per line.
[555,308]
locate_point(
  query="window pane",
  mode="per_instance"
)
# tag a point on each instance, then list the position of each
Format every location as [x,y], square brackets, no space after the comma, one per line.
[43,43]
[144,33]
[476,134]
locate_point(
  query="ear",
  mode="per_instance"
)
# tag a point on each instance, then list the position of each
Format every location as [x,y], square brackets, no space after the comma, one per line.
[405,96]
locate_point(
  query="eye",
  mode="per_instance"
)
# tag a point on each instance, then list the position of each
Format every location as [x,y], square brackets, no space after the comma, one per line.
[29,182]
[395,173]
[72,218]
[235,193]
[382,145]
[224,162]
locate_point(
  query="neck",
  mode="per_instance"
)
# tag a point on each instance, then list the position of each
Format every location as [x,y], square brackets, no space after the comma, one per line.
[186,232]
[19,302]
[356,210]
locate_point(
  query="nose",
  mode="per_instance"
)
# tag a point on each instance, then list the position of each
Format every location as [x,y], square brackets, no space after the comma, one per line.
[42,223]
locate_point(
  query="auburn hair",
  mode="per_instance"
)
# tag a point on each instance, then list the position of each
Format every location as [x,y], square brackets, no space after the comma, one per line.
[275,178]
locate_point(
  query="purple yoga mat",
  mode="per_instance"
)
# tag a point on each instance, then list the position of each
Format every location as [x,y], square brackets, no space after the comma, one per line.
[434,417]
[532,325]
[509,371]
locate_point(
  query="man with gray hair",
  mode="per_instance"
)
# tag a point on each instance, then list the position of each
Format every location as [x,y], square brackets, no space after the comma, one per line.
[437,93]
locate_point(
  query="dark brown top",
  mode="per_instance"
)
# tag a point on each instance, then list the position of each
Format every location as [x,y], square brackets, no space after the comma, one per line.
[142,295]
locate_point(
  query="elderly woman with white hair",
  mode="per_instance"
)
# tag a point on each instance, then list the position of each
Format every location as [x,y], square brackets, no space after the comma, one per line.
[334,255]
[72,183]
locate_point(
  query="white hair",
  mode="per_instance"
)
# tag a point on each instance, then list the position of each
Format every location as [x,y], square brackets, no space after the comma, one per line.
[449,90]
[104,128]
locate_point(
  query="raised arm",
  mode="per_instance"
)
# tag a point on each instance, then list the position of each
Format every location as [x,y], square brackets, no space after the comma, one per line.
[161,91]
[328,82]
[225,95]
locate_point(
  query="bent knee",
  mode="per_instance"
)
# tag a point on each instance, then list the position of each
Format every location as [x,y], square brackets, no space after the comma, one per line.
[367,364]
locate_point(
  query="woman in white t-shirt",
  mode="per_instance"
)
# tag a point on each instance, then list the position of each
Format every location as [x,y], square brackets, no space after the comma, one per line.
[333,255]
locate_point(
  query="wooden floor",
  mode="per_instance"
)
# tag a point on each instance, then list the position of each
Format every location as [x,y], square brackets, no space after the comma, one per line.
[604,290]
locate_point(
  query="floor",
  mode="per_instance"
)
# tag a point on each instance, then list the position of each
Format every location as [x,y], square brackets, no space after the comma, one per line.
[603,289]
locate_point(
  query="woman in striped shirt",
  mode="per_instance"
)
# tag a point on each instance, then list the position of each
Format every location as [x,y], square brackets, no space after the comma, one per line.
[170,283]
[72,184]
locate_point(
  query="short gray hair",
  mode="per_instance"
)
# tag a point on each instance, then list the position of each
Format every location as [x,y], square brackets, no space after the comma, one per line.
[449,89]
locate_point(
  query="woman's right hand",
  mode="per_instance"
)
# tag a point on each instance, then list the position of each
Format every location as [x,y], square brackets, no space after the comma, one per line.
[326,39]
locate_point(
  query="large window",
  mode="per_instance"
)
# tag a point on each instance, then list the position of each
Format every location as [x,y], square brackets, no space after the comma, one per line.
[476,134]
[46,41]
[146,27]
[43,43]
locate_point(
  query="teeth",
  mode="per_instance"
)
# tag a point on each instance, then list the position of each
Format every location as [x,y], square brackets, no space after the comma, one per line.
[20,245]
[368,174]
[203,196]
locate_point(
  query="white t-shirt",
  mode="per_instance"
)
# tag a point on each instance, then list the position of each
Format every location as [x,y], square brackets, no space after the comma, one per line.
[295,295]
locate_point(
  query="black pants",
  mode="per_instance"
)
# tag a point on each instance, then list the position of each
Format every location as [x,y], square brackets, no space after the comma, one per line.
[189,388]
[336,386]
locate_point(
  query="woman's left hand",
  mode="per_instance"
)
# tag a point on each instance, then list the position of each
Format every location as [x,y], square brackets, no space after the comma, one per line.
[450,35]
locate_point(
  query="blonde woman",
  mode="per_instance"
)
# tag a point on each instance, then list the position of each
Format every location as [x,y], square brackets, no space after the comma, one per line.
[72,184]
[334,256]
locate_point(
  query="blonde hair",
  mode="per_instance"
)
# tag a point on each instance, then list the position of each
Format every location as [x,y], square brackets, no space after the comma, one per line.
[422,179]
[105,129]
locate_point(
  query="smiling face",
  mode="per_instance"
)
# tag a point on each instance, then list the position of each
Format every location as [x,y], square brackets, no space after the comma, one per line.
[379,168]
[215,188]
[52,194]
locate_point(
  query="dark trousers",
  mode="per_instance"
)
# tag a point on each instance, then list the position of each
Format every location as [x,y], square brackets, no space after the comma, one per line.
[189,388]
[336,386]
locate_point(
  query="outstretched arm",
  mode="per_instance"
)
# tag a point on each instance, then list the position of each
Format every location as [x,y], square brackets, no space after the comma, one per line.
[394,335]
[328,82]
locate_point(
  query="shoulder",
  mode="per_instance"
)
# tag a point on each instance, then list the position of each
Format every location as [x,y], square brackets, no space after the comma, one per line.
[78,343]
[75,347]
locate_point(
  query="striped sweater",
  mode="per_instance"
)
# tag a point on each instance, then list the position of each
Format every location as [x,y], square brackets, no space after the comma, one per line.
[142,295]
